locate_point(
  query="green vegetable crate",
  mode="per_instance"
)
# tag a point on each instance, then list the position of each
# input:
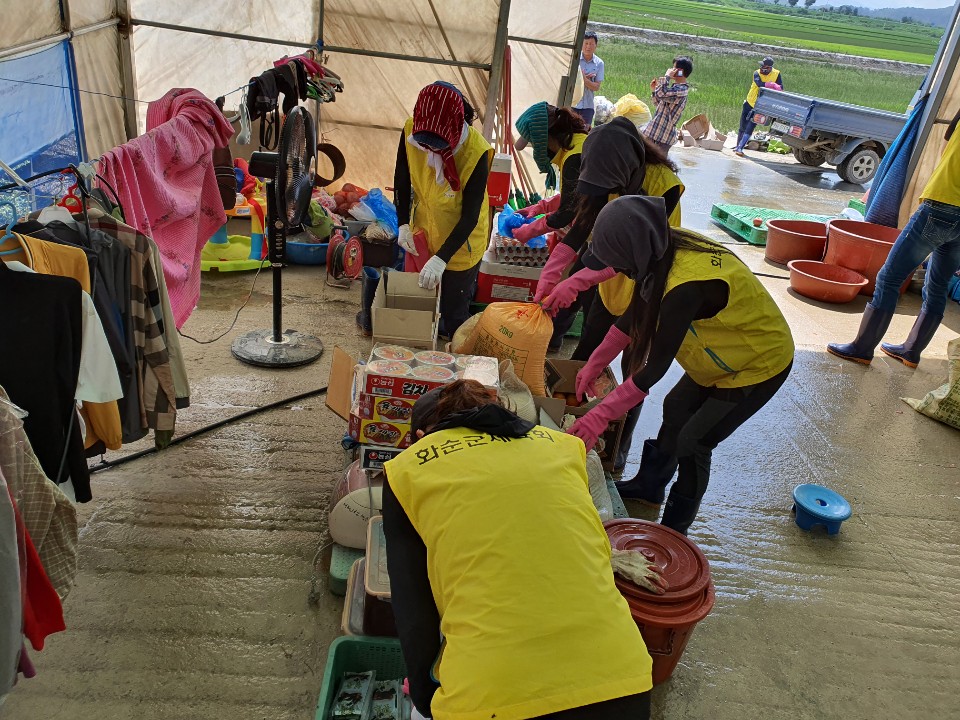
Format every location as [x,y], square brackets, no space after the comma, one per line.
[359,654]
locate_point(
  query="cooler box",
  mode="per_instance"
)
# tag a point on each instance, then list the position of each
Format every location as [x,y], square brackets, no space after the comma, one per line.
[499,282]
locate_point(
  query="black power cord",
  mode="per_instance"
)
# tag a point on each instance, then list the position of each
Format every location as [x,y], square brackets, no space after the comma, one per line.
[108,464]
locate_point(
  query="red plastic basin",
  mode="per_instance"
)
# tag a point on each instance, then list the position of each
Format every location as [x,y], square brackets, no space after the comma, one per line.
[859,246]
[827,283]
[795,240]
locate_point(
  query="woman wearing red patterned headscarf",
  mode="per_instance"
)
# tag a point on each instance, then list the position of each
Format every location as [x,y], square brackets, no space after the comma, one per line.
[441,190]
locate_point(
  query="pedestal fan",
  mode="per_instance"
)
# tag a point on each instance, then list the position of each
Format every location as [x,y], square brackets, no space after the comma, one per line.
[289,185]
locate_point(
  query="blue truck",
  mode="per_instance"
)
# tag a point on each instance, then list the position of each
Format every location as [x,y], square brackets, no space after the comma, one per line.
[852,138]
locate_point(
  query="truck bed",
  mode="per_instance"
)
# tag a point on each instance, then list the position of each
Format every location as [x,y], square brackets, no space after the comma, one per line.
[829,116]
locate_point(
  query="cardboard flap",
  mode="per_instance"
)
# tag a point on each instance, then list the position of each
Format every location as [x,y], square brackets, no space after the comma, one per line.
[340,383]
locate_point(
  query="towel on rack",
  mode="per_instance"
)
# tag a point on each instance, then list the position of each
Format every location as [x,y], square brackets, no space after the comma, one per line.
[168,187]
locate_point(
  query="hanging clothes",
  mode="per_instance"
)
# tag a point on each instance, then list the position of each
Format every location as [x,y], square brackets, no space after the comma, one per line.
[49,517]
[11,609]
[156,391]
[168,187]
[41,333]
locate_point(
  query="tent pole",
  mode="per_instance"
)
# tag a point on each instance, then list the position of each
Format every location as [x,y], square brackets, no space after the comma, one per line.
[567,96]
[128,70]
[937,83]
[52,40]
[496,70]
[326,48]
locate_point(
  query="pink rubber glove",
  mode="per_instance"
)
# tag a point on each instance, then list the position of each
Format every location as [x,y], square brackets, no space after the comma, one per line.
[546,206]
[614,343]
[566,292]
[591,426]
[561,258]
[526,233]
[773,86]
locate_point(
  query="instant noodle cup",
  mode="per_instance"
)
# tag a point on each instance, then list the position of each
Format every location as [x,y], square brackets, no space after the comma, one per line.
[381,433]
[433,373]
[393,352]
[433,357]
[389,367]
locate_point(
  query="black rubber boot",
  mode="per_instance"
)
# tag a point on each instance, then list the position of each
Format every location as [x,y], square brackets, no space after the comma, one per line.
[872,327]
[680,512]
[920,336]
[369,280]
[626,441]
[656,472]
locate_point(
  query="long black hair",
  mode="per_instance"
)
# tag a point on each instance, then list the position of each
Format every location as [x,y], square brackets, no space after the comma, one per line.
[564,124]
[646,313]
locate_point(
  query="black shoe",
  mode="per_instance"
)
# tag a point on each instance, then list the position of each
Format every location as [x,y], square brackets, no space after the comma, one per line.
[680,512]
[872,327]
[369,280]
[920,336]
[655,473]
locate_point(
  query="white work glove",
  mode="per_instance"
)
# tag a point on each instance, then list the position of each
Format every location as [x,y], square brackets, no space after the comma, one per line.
[415,715]
[406,240]
[431,273]
[633,566]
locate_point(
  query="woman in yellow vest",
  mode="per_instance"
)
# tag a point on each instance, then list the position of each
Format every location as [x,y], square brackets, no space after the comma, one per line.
[556,136]
[696,302]
[500,574]
[445,162]
[767,76]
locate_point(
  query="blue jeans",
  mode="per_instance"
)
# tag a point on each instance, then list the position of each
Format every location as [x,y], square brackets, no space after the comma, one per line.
[586,114]
[747,126]
[934,230]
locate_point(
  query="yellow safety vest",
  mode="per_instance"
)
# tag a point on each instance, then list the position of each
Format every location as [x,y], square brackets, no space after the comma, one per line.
[561,157]
[773,76]
[748,341]
[944,184]
[519,565]
[617,292]
[437,207]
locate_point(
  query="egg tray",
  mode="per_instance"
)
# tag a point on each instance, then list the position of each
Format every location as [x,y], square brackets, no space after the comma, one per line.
[514,252]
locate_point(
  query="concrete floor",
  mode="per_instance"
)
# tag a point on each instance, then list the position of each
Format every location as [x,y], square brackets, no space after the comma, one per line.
[196,564]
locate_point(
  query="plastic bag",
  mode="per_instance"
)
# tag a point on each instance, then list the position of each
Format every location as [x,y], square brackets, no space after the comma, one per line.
[383,211]
[633,109]
[598,485]
[602,110]
[460,343]
[943,404]
[519,332]
[319,224]
[516,397]
[509,220]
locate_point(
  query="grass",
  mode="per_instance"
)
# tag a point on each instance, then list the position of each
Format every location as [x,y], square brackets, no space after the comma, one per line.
[720,82]
[776,25]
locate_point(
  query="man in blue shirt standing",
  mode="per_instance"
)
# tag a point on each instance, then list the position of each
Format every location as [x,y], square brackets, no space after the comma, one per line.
[591,67]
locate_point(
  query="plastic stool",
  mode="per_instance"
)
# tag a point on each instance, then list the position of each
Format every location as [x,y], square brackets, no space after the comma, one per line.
[816,505]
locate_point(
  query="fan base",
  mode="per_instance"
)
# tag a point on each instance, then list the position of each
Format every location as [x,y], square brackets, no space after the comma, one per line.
[258,348]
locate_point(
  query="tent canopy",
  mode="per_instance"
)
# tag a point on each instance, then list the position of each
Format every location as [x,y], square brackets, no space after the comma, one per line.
[116,55]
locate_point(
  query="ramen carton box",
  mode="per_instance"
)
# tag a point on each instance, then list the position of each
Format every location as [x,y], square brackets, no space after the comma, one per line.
[380,433]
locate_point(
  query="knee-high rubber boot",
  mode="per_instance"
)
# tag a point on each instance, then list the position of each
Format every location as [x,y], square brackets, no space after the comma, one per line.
[920,336]
[626,441]
[680,512]
[369,280]
[656,471]
[872,327]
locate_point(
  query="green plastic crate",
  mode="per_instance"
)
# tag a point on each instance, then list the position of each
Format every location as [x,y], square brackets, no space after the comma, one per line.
[359,654]
[341,560]
[738,219]
[859,205]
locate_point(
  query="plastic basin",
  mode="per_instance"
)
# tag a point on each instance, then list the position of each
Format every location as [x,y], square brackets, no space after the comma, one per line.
[666,621]
[826,283]
[795,240]
[300,253]
[859,246]
[358,654]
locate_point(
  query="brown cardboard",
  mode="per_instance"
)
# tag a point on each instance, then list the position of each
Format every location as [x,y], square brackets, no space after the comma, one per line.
[404,313]
[340,383]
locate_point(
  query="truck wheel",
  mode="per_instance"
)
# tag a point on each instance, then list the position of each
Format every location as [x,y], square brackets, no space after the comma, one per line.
[811,158]
[860,166]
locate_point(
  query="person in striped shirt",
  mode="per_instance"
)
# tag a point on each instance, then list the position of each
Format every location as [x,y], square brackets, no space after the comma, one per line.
[670,97]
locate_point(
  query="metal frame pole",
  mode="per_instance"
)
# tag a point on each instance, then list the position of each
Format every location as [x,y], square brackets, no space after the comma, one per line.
[128,70]
[566,96]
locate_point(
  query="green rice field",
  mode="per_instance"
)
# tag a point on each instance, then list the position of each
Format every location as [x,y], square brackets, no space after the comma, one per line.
[776,25]
[720,82]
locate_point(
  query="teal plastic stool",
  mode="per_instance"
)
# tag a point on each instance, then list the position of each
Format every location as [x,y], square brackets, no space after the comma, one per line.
[816,505]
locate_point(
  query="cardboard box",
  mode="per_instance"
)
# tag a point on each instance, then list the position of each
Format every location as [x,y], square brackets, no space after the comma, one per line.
[404,313]
[373,432]
[498,181]
[389,409]
[373,457]
[499,282]
[562,378]
[396,387]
